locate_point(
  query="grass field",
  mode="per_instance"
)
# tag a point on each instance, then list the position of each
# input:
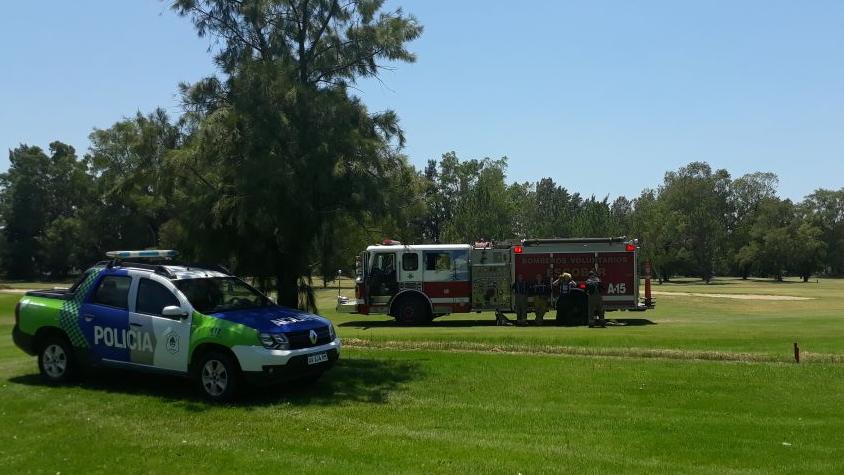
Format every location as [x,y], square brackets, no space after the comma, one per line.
[465,396]
[760,330]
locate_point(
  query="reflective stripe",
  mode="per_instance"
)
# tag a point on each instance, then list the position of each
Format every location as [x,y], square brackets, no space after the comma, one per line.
[450,300]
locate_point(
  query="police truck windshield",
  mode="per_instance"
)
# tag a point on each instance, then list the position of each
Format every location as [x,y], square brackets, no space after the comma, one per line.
[219,294]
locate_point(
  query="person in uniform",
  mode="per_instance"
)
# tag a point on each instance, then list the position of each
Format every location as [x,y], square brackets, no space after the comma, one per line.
[565,284]
[520,297]
[541,292]
[596,303]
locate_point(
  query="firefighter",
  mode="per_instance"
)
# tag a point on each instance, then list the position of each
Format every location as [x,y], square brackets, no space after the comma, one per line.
[520,295]
[596,304]
[565,284]
[541,292]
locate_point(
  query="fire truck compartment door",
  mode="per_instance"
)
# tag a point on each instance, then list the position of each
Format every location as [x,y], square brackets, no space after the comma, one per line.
[491,279]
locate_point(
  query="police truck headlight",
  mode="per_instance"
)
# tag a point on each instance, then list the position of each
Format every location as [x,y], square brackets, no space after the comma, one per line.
[277,341]
[267,340]
[281,341]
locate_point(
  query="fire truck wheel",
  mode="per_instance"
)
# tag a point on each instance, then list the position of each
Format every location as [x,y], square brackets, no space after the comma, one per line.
[412,311]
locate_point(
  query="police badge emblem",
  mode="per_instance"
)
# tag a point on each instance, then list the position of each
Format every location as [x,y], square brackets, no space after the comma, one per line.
[172,343]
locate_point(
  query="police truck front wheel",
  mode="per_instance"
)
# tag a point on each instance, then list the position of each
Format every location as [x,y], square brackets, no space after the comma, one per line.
[56,361]
[218,376]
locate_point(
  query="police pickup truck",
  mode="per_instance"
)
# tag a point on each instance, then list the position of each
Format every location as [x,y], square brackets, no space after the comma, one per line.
[199,322]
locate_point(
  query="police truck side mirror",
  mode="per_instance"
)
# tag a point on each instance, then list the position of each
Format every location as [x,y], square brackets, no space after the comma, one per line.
[173,311]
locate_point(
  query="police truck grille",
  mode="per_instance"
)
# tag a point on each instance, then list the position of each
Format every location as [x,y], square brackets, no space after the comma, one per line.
[302,339]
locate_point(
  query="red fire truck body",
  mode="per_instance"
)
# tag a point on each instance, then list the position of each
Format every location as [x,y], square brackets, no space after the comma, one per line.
[415,283]
[615,262]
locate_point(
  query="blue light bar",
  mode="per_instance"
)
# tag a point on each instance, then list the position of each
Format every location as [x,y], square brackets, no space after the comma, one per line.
[141,254]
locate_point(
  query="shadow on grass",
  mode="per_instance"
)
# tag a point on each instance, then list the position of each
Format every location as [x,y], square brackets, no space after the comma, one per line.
[351,380]
[549,323]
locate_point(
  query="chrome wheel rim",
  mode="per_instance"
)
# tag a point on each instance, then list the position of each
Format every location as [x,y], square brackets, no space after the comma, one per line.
[215,378]
[55,361]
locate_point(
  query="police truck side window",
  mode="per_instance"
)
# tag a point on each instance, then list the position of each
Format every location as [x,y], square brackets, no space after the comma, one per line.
[153,297]
[410,262]
[113,291]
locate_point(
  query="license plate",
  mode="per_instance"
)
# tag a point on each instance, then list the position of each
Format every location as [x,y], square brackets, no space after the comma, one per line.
[317,358]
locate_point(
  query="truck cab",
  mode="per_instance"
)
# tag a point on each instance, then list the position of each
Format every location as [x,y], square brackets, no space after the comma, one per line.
[413,283]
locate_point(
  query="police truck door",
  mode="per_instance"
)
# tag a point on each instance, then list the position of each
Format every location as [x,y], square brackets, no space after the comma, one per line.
[104,318]
[169,344]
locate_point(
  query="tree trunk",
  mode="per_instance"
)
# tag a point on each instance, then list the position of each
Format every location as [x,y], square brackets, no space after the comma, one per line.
[806,277]
[287,290]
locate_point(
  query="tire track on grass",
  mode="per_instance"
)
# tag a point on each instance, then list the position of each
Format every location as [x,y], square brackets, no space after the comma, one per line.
[659,353]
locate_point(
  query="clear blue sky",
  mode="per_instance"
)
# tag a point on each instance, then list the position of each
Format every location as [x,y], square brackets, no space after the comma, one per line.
[603,96]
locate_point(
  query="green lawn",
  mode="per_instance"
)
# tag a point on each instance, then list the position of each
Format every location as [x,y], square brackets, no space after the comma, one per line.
[705,326]
[385,409]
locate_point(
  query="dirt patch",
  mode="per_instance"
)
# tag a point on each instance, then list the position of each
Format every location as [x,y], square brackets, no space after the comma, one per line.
[733,296]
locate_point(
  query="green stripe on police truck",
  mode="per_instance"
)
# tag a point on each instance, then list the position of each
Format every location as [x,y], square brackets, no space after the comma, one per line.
[41,312]
[205,329]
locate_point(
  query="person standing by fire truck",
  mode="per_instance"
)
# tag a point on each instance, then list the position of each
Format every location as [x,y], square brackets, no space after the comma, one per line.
[541,291]
[565,283]
[596,302]
[520,296]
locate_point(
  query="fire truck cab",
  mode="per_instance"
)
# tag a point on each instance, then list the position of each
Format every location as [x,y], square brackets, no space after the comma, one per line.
[413,283]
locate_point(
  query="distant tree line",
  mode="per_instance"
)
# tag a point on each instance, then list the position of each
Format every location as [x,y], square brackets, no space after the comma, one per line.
[62,212]
[698,222]
[276,169]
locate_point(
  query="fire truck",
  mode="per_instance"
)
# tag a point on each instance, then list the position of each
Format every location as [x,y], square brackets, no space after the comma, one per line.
[416,283]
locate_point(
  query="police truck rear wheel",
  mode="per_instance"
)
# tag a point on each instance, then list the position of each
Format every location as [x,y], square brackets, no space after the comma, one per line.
[55,360]
[412,311]
[218,377]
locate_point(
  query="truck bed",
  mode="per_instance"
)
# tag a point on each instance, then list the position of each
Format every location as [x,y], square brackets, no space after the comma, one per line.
[58,294]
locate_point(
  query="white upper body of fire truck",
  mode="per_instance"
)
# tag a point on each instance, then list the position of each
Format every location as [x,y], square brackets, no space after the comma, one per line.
[416,283]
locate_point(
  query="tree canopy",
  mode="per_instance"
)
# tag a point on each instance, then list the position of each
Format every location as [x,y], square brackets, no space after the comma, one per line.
[282,151]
